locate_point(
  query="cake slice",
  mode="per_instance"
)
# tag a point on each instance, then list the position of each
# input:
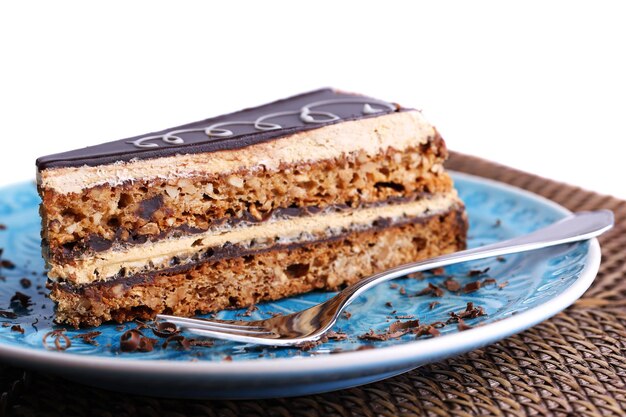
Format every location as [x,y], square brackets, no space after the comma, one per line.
[311,192]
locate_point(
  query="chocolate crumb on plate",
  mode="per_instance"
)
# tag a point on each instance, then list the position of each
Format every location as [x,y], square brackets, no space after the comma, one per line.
[333,335]
[431,289]
[7,314]
[489,281]
[416,275]
[25,283]
[61,341]
[477,272]
[436,271]
[373,336]
[201,342]
[471,287]
[452,285]
[503,284]
[179,340]
[433,304]
[3,227]
[165,329]
[5,263]
[133,340]
[89,338]
[17,328]
[21,298]
[403,325]
[462,326]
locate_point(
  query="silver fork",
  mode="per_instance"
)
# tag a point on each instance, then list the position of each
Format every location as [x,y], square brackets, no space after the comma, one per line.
[312,323]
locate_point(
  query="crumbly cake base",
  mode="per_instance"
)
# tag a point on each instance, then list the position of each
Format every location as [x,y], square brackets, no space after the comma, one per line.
[246,280]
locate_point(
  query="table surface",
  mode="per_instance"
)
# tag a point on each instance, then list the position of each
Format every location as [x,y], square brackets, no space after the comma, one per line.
[535,85]
[570,365]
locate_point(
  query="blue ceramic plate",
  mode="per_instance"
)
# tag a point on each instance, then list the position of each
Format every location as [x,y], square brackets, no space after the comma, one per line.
[528,288]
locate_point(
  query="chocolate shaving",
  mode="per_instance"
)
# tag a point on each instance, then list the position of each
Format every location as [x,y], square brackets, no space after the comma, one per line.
[477,272]
[426,330]
[503,284]
[470,312]
[433,332]
[5,263]
[228,358]
[347,315]
[17,328]
[431,289]
[416,275]
[58,335]
[388,304]
[165,329]
[462,326]
[393,286]
[373,336]
[471,287]
[402,291]
[332,335]
[3,227]
[436,271]
[452,285]
[25,283]
[489,281]
[89,338]
[406,316]
[7,314]
[501,259]
[433,304]
[403,325]
[305,346]
[22,298]
[179,339]
[201,342]
[6,324]
[133,340]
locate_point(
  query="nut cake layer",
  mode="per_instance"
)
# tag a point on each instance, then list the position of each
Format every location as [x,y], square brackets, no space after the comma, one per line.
[314,191]
[241,281]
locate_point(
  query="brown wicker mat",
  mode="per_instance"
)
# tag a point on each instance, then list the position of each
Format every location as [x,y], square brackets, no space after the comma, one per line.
[571,365]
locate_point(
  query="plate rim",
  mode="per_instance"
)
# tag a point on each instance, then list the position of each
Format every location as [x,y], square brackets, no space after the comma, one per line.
[401,354]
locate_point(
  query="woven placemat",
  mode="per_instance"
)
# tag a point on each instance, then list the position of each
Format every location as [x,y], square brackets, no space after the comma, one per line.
[571,365]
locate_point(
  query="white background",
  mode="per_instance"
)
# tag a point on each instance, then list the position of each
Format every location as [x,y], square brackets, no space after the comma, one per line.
[535,85]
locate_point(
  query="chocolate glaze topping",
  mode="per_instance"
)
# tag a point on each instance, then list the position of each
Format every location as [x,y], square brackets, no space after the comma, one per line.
[231,131]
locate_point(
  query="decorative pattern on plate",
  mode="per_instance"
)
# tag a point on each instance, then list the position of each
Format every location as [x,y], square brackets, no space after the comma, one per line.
[495,214]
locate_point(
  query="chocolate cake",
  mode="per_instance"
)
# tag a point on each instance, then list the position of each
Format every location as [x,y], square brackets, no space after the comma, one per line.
[311,192]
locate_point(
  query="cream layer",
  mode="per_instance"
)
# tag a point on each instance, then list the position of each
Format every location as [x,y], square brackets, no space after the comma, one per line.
[373,135]
[152,256]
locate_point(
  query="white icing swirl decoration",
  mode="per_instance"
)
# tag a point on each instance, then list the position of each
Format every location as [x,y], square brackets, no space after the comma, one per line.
[307,114]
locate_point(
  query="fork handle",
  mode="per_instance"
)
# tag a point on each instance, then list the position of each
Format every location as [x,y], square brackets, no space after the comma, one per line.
[576,227]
